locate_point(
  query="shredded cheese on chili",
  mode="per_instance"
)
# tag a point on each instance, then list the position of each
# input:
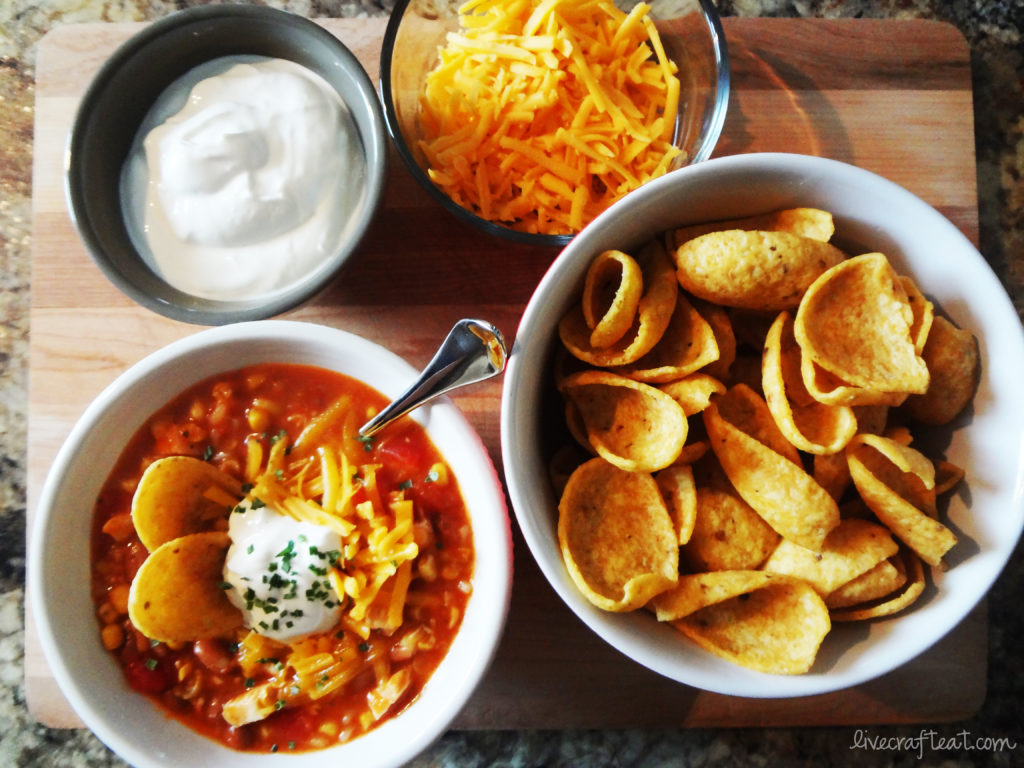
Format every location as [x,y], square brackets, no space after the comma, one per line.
[541,115]
[370,578]
[373,573]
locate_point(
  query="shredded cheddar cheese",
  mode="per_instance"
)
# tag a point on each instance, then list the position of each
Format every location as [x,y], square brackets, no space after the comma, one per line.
[370,578]
[541,115]
[373,573]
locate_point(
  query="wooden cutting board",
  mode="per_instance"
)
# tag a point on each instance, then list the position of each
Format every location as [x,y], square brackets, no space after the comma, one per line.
[893,97]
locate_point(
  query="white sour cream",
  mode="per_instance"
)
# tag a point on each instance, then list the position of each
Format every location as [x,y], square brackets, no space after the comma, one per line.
[243,177]
[277,569]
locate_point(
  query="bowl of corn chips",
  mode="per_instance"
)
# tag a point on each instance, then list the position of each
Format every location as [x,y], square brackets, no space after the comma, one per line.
[529,119]
[761,439]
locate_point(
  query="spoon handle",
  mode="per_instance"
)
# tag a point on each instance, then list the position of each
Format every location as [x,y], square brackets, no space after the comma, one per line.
[474,350]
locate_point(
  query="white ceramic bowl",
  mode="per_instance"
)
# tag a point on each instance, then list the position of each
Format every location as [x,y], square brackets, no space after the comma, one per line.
[59,550]
[871,213]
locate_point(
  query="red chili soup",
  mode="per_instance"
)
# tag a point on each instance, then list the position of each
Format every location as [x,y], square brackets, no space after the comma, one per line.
[393,581]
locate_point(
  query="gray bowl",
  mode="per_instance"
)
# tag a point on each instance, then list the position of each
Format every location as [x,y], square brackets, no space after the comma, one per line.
[122,93]
[871,214]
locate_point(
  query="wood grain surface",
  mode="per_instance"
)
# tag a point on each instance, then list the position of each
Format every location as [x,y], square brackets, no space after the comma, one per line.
[893,97]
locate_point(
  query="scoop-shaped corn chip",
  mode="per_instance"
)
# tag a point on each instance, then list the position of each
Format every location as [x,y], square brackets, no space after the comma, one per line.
[693,392]
[904,596]
[686,346]
[900,498]
[753,269]
[895,446]
[617,539]
[778,489]
[611,296]
[727,534]
[633,425]
[951,354]
[853,547]
[808,424]
[922,310]
[855,322]
[179,495]
[897,433]
[881,580]
[654,310]
[693,451]
[826,387]
[695,591]
[176,596]
[777,628]
[809,222]
[947,476]
[680,494]
[746,410]
[785,356]
[832,473]
[725,337]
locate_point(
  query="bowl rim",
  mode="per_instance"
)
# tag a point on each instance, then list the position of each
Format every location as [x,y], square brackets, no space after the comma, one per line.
[713,125]
[467,660]
[724,78]
[186,307]
[625,636]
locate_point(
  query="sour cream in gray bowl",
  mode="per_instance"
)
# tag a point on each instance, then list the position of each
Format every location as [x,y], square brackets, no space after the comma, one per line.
[244,176]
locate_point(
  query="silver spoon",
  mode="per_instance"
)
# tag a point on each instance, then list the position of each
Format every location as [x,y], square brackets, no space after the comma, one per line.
[474,350]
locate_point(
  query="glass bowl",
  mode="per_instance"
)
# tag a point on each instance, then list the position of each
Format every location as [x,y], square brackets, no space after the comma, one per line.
[691,33]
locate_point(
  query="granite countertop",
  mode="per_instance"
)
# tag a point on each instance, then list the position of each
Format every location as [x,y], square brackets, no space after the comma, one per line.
[993,29]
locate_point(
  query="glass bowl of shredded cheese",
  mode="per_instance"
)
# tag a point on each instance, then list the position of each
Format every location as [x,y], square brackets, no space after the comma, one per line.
[528,118]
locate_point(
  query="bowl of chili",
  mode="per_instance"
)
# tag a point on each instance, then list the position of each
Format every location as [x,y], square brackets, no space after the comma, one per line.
[416,582]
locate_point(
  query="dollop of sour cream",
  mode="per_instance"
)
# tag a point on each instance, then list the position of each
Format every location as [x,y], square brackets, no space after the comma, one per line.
[243,177]
[277,570]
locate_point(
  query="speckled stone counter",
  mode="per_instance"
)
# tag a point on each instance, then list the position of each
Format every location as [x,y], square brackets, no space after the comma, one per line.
[995,736]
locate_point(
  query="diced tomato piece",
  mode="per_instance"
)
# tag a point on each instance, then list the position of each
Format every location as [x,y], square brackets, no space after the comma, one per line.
[401,454]
[292,725]
[148,674]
